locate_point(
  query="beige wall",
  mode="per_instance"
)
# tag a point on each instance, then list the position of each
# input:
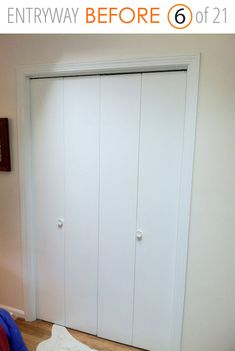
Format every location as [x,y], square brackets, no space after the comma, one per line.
[209,322]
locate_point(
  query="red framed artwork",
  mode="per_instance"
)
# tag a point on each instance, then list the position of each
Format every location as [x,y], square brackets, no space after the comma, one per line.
[5,162]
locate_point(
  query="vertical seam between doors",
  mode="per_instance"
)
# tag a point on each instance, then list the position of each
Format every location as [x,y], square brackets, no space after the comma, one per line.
[137,206]
[99,176]
[64,201]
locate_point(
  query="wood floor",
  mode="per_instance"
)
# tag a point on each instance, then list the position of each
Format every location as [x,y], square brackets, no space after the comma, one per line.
[37,331]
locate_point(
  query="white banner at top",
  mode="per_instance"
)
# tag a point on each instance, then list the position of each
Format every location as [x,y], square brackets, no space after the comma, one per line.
[117,16]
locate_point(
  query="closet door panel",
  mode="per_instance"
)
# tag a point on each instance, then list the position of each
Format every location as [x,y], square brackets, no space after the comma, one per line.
[48,194]
[120,105]
[161,144]
[81,110]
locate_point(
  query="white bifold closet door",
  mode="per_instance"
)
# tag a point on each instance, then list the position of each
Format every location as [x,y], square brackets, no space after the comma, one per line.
[81,140]
[120,118]
[107,154]
[160,157]
[48,194]
[65,134]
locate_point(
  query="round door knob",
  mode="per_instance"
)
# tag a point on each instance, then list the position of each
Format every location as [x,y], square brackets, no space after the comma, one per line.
[60,223]
[139,234]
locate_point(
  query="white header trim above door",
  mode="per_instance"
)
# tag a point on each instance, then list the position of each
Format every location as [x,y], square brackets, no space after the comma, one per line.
[24,74]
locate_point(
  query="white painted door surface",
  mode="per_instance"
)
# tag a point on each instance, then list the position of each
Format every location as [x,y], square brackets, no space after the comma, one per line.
[48,177]
[120,111]
[161,145]
[81,136]
[107,154]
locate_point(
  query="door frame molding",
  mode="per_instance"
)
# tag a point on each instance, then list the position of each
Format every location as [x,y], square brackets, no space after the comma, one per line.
[24,73]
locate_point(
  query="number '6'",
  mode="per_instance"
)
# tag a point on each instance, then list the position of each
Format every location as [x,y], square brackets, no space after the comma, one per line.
[179,15]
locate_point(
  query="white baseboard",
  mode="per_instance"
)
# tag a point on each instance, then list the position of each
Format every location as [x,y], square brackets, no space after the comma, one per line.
[14,311]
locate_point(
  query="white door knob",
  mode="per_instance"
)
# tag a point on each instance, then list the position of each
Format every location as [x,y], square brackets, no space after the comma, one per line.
[139,234]
[60,222]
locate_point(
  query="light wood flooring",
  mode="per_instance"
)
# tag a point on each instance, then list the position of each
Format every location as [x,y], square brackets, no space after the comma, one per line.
[37,331]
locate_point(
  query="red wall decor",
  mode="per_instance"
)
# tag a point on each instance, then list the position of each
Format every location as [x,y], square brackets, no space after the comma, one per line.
[5,162]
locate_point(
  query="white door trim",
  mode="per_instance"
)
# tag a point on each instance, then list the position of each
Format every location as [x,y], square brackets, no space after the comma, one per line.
[24,73]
